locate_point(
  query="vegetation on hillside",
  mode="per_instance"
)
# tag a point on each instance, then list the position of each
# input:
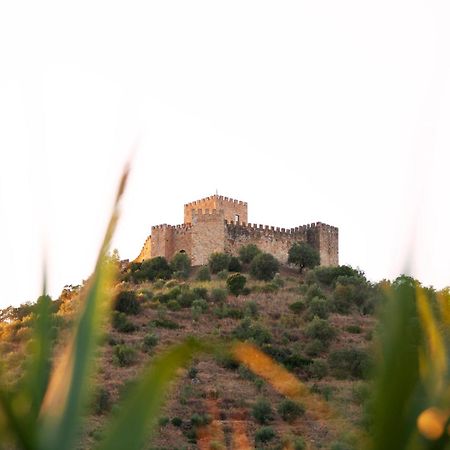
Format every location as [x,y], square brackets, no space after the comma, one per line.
[268,358]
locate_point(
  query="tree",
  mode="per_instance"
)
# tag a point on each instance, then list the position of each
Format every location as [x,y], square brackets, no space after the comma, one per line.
[218,262]
[248,252]
[181,265]
[303,255]
[264,266]
[236,283]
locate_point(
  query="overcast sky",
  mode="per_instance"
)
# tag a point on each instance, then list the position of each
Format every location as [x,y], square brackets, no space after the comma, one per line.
[331,111]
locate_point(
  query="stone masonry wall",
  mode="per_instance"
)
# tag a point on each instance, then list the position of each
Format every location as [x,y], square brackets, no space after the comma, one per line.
[277,241]
[229,206]
[208,235]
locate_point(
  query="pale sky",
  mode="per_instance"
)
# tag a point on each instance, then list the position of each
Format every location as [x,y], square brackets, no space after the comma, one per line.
[331,111]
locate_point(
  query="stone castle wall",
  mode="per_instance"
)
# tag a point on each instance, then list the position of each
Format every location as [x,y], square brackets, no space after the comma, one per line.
[229,206]
[207,230]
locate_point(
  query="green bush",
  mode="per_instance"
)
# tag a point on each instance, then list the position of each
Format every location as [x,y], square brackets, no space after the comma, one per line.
[236,283]
[264,266]
[124,355]
[328,275]
[234,265]
[354,329]
[102,401]
[223,274]
[264,434]
[314,291]
[349,363]
[320,329]
[173,305]
[185,298]
[290,410]
[231,312]
[204,274]
[218,262]
[201,304]
[149,342]
[297,307]
[303,255]
[218,295]
[151,269]
[165,323]
[251,309]
[200,420]
[127,303]
[200,292]
[120,322]
[318,307]
[318,369]
[262,411]
[255,332]
[163,421]
[315,347]
[177,421]
[181,265]
[248,252]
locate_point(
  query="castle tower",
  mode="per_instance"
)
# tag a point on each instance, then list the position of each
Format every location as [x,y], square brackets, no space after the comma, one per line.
[233,210]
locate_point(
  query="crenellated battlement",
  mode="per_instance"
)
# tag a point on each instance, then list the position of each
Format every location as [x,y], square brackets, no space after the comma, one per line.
[195,204]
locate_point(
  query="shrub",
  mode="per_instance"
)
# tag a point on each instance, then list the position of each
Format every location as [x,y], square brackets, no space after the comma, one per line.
[264,266]
[199,420]
[228,311]
[165,323]
[318,307]
[251,309]
[246,330]
[278,281]
[120,322]
[290,410]
[303,255]
[297,307]
[354,329]
[151,269]
[173,305]
[328,275]
[236,283]
[234,265]
[124,355]
[349,363]
[320,329]
[163,421]
[314,291]
[262,411]
[204,274]
[218,262]
[315,347]
[181,264]
[150,341]
[248,252]
[185,298]
[102,401]
[264,434]
[200,292]
[177,422]
[318,369]
[223,274]
[200,304]
[127,303]
[218,295]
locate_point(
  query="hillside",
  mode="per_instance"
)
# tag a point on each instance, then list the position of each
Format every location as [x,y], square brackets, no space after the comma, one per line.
[319,330]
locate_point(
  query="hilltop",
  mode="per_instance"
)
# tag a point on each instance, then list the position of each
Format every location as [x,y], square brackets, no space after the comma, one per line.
[318,324]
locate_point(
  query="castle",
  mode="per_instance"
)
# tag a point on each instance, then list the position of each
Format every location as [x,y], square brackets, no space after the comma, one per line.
[219,224]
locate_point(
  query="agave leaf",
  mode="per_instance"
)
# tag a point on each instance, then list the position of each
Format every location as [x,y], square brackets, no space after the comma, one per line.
[141,407]
[69,381]
[397,389]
